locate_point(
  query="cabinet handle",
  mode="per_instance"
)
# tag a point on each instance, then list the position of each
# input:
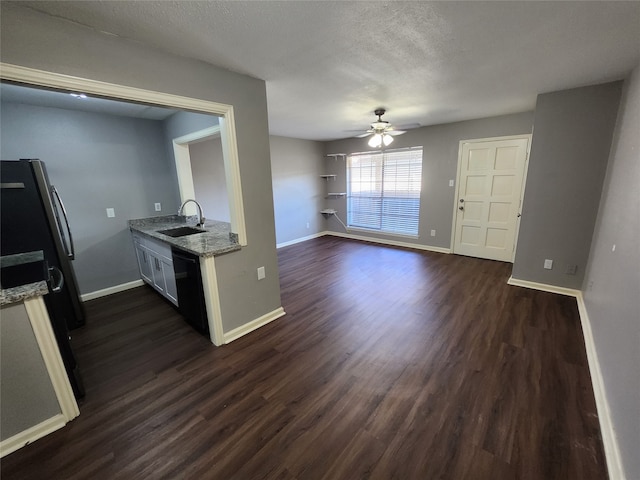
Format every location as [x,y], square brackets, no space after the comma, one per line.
[157,265]
[144,256]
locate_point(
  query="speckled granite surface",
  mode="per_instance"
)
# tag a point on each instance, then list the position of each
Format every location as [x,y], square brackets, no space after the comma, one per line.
[22,292]
[17,294]
[215,240]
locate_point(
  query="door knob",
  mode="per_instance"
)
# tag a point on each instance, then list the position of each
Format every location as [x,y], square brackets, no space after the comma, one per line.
[462,200]
[460,207]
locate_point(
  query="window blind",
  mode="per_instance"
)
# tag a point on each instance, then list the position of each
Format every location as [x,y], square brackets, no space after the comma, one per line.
[383,190]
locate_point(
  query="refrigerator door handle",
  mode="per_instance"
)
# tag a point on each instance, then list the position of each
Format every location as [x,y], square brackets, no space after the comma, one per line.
[55,271]
[71,252]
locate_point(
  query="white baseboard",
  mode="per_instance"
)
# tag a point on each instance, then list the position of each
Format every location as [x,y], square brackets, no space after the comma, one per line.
[111,290]
[543,287]
[607,430]
[32,434]
[301,239]
[394,243]
[253,325]
[381,241]
[609,440]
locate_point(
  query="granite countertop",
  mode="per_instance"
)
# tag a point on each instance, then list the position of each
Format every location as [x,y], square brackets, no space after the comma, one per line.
[23,292]
[28,290]
[215,240]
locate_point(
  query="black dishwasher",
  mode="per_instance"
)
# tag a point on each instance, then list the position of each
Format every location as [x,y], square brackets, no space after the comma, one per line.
[190,292]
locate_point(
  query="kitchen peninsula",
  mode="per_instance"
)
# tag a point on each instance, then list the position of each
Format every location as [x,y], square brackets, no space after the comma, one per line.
[165,242]
[216,237]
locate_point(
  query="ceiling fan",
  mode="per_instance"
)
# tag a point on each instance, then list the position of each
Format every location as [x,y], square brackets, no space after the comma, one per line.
[382,131]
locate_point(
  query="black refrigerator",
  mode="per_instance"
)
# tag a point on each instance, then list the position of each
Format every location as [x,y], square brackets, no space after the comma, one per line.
[34,219]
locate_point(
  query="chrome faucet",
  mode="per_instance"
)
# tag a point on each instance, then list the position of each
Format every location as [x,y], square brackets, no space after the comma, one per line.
[201,222]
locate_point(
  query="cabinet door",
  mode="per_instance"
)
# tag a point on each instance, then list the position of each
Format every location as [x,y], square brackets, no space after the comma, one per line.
[156,267]
[158,275]
[171,292]
[144,262]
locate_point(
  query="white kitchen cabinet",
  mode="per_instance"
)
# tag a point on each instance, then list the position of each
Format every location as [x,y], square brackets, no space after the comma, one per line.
[156,266]
[158,273]
[144,261]
[164,278]
[170,282]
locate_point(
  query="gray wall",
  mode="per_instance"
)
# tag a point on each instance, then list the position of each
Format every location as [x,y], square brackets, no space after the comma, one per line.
[26,393]
[440,162]
[569,152]
[612,281]
[183,123]
[209,182]
[96,161]
[39,41]
[298,190]
[178,125]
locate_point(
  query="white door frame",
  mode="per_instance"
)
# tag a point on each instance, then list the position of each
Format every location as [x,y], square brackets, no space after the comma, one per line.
[524,183]
[183,163]
[227,123]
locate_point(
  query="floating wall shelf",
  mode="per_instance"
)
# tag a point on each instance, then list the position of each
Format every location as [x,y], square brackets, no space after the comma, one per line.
[327,212]
[327,177]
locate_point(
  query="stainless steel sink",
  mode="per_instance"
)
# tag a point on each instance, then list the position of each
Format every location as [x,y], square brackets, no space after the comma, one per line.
[181,231]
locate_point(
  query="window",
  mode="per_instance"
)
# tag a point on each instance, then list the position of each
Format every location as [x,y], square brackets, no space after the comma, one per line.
[384,190]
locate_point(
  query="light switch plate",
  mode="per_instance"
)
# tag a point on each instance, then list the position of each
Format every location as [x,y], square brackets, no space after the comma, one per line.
[451,183]
[261,273]
[548,264]
[158,207]
[111,213]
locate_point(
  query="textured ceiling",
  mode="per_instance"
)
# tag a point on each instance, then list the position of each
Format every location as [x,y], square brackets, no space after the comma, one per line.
[328,65]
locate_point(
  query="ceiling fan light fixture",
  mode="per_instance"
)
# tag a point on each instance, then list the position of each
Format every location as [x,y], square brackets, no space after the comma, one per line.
[382,131]
[375,141]
[378,139]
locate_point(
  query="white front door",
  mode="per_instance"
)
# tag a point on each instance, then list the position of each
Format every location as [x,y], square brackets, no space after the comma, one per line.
[490,187]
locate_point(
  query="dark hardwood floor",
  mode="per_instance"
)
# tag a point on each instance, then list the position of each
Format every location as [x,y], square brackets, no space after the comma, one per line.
[390,364]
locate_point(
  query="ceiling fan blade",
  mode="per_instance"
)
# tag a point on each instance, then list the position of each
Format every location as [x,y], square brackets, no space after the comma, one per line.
[393,133]
[362,135]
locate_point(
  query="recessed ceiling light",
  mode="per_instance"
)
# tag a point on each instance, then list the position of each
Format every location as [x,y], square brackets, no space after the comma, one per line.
[78,95]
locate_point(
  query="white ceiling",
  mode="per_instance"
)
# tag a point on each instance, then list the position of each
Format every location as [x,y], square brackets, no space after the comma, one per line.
[329,64]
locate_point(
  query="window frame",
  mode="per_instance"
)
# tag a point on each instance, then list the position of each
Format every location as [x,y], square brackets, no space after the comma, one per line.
[384,204]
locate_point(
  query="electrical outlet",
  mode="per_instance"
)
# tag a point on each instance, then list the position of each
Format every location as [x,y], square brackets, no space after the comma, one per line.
[548,264]
[111,213]
[433,233]
[307,224]
[261,273]
[613,248]
[158,207]
[571,269]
